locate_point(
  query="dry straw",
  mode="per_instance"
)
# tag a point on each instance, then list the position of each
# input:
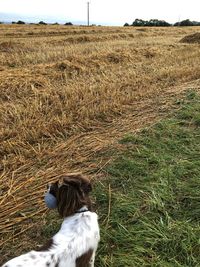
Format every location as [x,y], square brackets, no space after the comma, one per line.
[69,94]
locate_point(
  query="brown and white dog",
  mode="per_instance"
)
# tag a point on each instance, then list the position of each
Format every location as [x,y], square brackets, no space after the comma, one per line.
[76,242]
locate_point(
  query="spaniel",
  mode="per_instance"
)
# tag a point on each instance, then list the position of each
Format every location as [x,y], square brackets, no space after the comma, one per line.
[76,242]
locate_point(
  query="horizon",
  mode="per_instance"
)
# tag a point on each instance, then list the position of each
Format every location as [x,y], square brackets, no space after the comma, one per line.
[102,12]
[9,18]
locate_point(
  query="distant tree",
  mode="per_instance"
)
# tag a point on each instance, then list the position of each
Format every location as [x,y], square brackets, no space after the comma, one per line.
[1,22]
[126,24]
[20,22]
[177,24]
[196,23]
[56,23]
[68,24]
[158,23]
[139,22]
[42,23]
[151,23]
[164,23]
[187,22]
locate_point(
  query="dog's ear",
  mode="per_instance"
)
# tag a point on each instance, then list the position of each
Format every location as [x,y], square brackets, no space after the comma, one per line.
[79,182]
[72,181]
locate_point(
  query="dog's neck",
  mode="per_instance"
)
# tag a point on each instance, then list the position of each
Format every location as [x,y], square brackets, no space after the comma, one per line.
[76,213]
[80,217]
[83,209]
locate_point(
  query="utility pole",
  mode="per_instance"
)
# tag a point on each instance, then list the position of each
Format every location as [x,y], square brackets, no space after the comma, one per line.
[179,20]
[88,13]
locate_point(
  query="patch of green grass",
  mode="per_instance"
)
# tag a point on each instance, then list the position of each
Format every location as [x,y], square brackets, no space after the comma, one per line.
[149,202]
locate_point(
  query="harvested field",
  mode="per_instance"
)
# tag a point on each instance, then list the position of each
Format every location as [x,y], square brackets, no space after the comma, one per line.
[68,94]
[192,38]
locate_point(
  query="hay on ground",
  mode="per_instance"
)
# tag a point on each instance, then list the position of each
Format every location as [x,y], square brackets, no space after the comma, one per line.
[191,39]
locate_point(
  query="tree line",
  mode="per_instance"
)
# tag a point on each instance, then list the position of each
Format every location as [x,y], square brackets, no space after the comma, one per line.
[136,22]
[39,23]
[161,23]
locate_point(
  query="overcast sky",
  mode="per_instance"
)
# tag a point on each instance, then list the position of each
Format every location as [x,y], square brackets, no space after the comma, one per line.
[113,12]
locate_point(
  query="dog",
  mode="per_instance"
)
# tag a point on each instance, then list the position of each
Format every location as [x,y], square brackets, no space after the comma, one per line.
[76,242]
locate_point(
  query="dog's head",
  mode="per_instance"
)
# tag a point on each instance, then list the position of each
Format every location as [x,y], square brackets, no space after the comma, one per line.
[70,193]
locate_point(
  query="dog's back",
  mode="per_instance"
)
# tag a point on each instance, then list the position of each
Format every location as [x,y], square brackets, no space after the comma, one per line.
[75,242]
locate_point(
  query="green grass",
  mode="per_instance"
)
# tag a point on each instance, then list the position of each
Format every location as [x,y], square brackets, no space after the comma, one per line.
[149,202]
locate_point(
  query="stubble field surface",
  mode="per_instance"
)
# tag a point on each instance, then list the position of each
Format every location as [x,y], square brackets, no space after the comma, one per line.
[67,95]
